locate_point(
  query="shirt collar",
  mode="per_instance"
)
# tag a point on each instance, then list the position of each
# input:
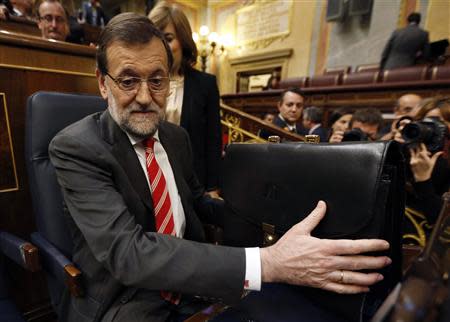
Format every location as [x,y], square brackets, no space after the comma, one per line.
[313,128]
[134,140]
[292,127]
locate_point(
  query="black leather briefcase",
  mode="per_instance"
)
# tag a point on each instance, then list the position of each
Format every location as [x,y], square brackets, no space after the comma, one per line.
[270,187]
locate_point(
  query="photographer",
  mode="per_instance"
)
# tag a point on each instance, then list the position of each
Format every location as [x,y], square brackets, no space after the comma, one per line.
[426,141]
[364,126]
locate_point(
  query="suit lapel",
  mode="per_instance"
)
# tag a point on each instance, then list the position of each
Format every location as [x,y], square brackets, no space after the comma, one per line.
[124,153]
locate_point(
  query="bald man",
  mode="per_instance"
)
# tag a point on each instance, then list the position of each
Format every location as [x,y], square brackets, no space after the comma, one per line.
[406,105]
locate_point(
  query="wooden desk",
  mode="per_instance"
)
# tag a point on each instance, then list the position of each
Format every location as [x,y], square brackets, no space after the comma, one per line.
[29,64]
[20,25]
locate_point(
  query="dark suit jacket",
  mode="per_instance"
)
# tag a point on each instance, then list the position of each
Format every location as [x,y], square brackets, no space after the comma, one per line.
[111,219]
[403,46]
[277,121]
[200,117]
[321,132]
[88,15]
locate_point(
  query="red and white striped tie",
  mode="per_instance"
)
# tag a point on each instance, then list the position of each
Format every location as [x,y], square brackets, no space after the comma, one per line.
[161,203]
[160,194]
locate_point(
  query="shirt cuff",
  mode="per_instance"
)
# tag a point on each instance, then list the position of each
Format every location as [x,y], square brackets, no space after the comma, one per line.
[252,269]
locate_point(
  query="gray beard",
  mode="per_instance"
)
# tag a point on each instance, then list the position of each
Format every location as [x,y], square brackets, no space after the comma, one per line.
[139,128]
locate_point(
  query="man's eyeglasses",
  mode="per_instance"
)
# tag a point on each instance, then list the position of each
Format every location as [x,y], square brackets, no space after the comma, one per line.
[49,19]
[129,84]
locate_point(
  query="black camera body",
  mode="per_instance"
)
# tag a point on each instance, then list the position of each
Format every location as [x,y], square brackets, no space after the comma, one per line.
[355,134]
[431,131]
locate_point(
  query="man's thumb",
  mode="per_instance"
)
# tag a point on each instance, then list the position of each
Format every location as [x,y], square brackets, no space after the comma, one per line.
[307,225]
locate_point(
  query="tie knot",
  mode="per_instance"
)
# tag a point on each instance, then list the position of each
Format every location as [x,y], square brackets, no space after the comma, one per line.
[149,143]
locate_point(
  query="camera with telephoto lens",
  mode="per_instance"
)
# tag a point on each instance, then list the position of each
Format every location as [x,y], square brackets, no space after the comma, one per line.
[431,131]
[355,134]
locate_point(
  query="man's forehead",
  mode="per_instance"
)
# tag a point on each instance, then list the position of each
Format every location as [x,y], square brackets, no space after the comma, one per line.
[51,7]
[151,54]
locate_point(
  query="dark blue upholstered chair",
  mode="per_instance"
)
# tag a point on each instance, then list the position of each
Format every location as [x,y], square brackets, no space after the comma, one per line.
[47,114]
[25,255]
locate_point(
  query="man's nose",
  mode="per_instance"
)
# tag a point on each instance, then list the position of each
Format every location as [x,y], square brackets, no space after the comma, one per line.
[144,96]
[53,23]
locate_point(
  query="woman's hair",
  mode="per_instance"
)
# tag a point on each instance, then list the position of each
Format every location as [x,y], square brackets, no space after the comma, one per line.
[162,15]
[337,114]
[429,104]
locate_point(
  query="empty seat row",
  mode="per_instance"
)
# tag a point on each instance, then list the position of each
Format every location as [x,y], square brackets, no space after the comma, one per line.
[399,75]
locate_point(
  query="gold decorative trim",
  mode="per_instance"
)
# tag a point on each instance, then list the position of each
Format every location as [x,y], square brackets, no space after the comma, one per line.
[419,222]
[48,70]
[8,129]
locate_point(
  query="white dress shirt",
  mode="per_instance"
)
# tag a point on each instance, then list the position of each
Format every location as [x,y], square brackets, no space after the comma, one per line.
[252,255]
[174,104]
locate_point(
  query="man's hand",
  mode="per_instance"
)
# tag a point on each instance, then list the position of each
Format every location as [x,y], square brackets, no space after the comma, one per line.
[214,194]
[337,136]
[300,259]
[422,162]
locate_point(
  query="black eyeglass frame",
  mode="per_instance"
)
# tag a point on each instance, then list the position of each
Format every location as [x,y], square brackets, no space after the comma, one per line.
[135,88]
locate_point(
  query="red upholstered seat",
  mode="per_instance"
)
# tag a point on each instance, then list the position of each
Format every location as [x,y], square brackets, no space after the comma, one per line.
[337,70]
[295,82]
[407,74]
[440,72]
[360,78]
[325,80]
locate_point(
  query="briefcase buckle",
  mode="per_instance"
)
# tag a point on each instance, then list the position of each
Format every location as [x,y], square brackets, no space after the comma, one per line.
[312,138]
[270,237]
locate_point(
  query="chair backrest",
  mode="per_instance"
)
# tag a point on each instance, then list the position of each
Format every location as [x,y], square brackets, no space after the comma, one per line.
[325,80]
[405,74]
[47,114]
[440,72]
[295,82]
[360,78]
[367,68]
[337,70]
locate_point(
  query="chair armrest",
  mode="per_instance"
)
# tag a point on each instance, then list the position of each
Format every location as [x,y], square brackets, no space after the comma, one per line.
[58,265]
[20,251]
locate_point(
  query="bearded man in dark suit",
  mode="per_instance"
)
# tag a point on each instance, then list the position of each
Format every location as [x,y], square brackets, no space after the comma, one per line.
[134,264]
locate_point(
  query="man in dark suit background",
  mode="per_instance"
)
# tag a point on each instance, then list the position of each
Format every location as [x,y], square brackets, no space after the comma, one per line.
[290,109]
[405,45]
[312,122]
[104,165]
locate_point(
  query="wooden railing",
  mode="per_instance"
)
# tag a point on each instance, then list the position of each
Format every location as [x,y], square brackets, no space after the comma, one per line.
[243,127]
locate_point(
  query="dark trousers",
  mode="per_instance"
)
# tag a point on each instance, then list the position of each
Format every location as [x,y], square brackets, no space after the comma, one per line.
[149,306]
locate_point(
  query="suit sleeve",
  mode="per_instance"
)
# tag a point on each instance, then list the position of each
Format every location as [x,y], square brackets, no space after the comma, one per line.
[426,50]
[87,175]
[386,51]
[213,137]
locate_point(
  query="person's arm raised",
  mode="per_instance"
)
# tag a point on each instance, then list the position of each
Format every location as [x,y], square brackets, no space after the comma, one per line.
[334,265]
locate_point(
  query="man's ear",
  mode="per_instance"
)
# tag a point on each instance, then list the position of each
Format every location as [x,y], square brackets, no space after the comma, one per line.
[279,105]
[101,83]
